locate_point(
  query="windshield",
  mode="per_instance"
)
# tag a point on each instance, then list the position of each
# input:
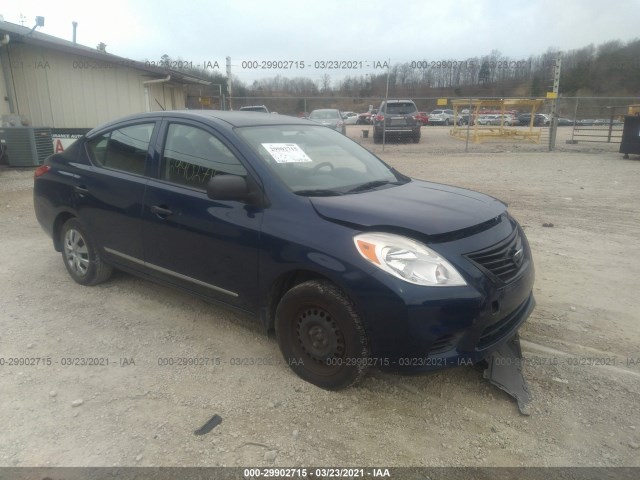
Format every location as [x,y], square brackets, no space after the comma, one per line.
[314,160]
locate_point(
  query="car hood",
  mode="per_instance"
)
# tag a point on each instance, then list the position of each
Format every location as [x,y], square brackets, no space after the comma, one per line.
[425,207]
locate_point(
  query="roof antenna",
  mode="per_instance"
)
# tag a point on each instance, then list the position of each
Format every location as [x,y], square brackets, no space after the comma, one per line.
[39,23]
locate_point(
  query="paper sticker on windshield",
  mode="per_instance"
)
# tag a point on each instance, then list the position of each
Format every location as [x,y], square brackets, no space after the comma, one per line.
[286,152]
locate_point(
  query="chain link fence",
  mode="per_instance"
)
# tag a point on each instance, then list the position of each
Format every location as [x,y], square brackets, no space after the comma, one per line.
[595,120]
[582,122]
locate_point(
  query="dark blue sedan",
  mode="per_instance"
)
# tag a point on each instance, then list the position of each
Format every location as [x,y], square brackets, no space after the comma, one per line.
[354,264]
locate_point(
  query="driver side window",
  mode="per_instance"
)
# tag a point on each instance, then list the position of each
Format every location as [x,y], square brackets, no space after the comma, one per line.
[192,156]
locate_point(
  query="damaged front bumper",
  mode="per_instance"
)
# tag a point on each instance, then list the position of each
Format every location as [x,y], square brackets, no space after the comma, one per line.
[505,372]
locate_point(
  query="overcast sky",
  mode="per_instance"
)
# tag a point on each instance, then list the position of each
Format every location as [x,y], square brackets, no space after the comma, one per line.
[365,31]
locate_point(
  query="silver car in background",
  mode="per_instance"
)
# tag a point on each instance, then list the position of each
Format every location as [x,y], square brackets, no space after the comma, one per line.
[329,117]
[441,117]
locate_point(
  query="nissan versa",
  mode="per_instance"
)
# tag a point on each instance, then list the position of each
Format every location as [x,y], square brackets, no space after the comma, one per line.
[352,263]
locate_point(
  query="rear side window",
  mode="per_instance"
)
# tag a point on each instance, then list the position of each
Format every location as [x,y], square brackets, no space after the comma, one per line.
[124,149]
[192,156]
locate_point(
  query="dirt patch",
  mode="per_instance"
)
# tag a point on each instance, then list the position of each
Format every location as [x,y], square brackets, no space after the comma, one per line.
[581,345]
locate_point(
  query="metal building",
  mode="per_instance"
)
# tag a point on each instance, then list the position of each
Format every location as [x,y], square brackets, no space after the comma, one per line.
[49,82]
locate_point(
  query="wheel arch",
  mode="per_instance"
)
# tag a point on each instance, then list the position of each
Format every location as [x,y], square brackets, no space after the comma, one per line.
[60,220]
[282,284]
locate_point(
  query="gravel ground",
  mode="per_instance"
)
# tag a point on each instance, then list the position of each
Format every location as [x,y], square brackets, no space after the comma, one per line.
[581,345]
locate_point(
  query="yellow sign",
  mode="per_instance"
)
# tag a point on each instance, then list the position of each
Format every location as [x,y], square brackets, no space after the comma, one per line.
[442,101]
[634,110]
[552,95]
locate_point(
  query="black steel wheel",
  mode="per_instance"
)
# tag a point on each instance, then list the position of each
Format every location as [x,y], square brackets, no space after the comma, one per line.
[321,335]
[80,255]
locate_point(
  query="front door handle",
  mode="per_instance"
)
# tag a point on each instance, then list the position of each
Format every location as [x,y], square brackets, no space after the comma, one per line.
[81,190]
[161,211]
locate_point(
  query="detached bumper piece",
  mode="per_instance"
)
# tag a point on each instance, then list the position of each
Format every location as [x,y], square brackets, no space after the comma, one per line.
[505,372]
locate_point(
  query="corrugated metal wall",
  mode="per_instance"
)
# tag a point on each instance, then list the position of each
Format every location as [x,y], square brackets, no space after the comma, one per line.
[4,104]
[61,90]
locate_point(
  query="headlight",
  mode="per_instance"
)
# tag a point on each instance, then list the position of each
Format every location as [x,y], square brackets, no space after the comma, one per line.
[407,259]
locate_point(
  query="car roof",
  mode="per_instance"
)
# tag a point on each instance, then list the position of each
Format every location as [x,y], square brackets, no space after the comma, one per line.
[216,117]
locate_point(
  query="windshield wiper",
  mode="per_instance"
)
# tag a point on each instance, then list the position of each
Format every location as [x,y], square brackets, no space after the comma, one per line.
[370,185]
[318,192]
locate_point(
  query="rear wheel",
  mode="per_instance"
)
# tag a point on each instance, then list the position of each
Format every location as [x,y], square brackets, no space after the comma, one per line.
[80,255]
[321,335]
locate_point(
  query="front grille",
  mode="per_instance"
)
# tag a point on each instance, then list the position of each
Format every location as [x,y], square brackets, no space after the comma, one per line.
[502,260]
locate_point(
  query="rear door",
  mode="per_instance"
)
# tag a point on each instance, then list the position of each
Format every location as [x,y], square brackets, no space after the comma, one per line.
[110,193]
[203,245]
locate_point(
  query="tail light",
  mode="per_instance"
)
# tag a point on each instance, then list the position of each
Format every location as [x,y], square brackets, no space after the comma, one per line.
[379,118]
[41,170]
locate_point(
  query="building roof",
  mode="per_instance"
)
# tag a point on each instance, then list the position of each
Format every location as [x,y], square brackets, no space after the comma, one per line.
[25,35]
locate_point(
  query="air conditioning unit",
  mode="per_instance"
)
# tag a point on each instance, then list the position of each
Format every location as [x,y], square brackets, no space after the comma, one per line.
[26,146]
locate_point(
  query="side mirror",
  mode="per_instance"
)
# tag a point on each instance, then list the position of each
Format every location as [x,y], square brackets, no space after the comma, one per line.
[228,187]
[236,188]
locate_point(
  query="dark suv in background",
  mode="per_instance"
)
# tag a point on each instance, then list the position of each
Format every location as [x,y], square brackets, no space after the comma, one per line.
[397,119]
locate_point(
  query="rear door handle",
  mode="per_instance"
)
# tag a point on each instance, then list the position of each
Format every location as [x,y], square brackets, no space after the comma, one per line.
[161,211]
[81,190]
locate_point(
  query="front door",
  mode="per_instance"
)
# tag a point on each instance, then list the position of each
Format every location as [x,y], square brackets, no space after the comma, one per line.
[190,240]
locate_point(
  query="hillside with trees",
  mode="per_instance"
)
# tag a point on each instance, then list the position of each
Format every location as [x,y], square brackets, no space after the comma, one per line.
[608,70]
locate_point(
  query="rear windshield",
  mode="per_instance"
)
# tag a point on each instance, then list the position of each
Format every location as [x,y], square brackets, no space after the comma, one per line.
[254,109]
[401,108]
[324,114]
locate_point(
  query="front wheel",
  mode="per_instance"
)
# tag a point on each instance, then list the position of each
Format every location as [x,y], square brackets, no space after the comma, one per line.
[80,255]
[321,335]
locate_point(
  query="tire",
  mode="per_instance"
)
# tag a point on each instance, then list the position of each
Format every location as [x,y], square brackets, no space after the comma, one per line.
[80,255]
[321,335]
[377,139]
[415,138]
[446,122]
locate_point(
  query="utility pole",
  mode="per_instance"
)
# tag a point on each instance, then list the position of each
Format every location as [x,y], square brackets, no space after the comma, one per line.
[386,99]
[554,102]
[229,82]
